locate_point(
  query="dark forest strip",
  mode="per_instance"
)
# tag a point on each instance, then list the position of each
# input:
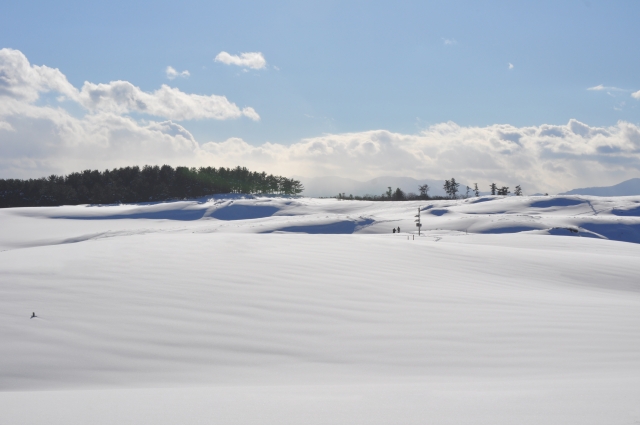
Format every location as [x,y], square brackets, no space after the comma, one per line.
[135,184]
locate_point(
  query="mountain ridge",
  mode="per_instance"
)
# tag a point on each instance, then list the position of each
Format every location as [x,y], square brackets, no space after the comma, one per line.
[629,187]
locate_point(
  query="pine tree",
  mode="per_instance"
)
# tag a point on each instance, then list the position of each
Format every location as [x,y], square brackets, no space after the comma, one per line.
[518,191]
[389,192]
[454,188]
[447,187]
[494,188]
[398,195]
[476,190]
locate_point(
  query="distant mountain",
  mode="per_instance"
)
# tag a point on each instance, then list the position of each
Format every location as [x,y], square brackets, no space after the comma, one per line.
[626,188]
[332,185]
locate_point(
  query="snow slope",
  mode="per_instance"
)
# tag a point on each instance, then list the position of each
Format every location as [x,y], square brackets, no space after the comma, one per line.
[288,311]
[616,218]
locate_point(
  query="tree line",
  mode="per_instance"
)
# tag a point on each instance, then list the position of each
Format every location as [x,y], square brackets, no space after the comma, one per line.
[394,195]
[451,188]
[135,184]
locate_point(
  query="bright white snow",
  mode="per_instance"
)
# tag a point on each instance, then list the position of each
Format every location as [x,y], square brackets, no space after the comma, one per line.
[287,311]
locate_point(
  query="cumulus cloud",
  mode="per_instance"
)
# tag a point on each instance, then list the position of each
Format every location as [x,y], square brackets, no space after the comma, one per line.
[636,95]
[172,73]
[19,80]
[122,97]
[510,65]
[253,60]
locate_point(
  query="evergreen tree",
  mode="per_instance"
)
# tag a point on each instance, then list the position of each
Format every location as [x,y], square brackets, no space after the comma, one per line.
[476,190]
[518,191]
[447,187]
[453,188]
[135,184]
[398,195]
[389,192]
[504,191]
[494,188]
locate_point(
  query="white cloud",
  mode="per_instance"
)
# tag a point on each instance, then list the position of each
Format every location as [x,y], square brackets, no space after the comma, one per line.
[253,60]
[636,95]
[449,41]
[122,97]
[19,80]
[600,87]
[172,73]
[37,140]
[6,126]
[546,158]
[510,65]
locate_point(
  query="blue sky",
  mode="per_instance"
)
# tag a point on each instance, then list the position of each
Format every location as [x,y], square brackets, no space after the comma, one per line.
[350,67]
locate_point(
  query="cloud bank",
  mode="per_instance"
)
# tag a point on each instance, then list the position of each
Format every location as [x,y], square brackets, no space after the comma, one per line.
[253,60]
[39,139]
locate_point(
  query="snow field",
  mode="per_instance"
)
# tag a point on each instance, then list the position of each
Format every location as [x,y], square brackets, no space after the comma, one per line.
[165,319]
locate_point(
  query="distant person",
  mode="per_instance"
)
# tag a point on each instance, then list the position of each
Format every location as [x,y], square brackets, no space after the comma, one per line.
[398,229]
[394,230]
[33,315]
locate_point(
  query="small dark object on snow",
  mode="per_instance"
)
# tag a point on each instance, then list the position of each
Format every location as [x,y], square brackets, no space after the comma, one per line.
[33,315]
[398,229]
[394,230]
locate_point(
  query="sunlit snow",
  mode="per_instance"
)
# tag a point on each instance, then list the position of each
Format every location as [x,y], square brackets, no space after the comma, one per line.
[239,309]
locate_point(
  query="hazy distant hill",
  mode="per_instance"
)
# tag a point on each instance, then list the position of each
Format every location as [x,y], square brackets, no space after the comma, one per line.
[626,188]
[332,185]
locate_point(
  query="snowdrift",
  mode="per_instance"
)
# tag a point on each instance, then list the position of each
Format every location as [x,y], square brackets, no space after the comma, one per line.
[580,216]
[270,310]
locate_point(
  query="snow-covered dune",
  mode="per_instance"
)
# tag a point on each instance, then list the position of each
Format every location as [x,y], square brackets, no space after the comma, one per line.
[616,218]
[287,311]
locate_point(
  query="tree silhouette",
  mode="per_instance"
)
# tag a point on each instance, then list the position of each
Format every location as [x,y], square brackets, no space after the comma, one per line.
[389,192]
[518,191]
[424,191]
[398,195]
[451,187]
[135,184]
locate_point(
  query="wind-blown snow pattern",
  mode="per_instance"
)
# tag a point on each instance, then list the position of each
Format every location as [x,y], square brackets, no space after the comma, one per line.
[240,309]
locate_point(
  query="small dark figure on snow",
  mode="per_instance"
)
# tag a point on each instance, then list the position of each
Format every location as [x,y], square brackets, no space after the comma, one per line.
[398,229]
[394,230]
[33,315]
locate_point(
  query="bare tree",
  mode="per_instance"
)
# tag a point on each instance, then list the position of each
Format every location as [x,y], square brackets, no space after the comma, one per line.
[424,190]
